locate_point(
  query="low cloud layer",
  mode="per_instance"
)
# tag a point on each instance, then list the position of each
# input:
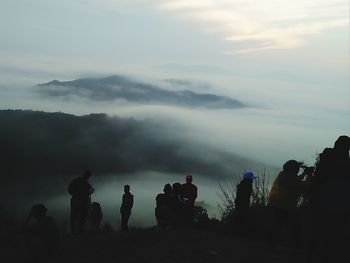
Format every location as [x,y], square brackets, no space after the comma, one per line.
[119,87]
[41,148]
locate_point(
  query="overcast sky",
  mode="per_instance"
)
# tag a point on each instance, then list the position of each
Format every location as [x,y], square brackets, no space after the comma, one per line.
[288,59]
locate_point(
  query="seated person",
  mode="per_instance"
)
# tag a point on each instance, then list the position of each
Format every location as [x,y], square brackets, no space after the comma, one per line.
[43,229]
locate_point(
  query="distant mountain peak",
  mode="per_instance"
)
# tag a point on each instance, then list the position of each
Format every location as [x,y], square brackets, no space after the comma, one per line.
[117,87]
[53,82]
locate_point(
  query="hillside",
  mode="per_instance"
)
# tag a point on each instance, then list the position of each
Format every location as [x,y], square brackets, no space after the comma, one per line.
[40,149]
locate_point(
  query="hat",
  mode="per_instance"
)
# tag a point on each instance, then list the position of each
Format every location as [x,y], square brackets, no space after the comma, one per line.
[291,165]
[249,175]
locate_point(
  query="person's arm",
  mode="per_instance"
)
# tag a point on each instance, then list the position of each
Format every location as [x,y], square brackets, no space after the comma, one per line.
[131,201]
[123,203]
[70,187]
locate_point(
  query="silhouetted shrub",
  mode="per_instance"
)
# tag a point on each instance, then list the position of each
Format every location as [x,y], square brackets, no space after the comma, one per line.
[202,220]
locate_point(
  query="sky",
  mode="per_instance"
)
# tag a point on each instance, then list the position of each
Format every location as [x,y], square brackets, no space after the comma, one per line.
[287,60]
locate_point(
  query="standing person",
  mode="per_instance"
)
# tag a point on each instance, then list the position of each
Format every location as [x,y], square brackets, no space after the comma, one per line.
[180,204]
[125,208]
[80,190]
[285,194]
[189,192]
[242,202]
[164,210]
[330,203]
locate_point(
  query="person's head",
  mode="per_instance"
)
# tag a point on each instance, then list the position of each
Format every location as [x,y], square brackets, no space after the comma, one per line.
[177,187]
[249,176]
[342,145]
[87,174]
[291,166]
[96,207]
[167,189]
[189,178]
[38,211]
[126,188]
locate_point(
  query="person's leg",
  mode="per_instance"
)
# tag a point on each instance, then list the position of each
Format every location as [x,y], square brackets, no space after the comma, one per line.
[295,229]
[81,218]
[124,221]
[127,216]
[274,227]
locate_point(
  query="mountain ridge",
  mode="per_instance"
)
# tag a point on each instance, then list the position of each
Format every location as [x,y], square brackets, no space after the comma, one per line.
[117,87]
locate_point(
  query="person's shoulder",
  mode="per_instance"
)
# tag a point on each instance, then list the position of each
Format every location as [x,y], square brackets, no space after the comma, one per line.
[160,195]
[76,179]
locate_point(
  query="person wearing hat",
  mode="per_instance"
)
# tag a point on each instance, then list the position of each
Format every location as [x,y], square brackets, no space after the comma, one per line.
[189,190]
[285,194]
[242,203]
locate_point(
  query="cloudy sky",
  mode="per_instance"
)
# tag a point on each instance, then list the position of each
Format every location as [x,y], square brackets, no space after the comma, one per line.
[289,60]
[286,61]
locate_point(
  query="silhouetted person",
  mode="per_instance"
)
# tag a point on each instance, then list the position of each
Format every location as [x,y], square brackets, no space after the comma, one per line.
[164,210]
[43,229]
[330,202]
[242,203]
[286,191]
[189,192]
[80,190]
[125,208]
[180,204]
[95,217]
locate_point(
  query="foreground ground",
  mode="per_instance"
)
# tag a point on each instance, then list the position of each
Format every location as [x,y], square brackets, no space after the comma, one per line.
[170,246]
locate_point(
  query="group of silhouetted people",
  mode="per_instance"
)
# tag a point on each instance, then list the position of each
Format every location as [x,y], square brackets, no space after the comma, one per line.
[312,207]
[323,191]
[321,196]
[175,206]
[87,214]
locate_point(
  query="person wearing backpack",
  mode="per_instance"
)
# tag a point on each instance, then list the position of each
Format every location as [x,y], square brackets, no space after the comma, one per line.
[284,197]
